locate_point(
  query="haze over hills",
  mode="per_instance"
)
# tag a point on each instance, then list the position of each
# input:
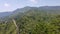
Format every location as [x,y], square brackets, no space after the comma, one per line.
[18,10]
[50,7]
[3,14]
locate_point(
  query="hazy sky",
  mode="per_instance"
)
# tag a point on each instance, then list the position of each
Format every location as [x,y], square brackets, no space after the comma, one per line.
[10,5]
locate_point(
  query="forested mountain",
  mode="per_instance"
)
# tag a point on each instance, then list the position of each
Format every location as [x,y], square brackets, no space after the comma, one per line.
[27,8]
[32,20]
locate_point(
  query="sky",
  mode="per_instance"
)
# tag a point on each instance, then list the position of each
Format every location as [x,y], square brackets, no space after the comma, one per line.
[10,5]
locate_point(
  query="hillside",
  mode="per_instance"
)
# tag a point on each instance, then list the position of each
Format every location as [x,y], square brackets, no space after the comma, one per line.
[27,8]
[32,20]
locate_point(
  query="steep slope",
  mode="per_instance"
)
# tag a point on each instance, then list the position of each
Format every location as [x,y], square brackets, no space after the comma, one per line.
[52,9]
[32,21]
[45,9]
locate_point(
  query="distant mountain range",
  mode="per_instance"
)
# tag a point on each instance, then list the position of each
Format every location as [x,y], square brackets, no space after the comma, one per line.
[50,7]
[22,10]
[3,14]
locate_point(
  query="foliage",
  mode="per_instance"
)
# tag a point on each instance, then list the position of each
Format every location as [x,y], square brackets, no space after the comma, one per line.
[33,22]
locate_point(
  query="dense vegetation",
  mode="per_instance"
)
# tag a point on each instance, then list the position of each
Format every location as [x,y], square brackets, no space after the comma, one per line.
[34,21]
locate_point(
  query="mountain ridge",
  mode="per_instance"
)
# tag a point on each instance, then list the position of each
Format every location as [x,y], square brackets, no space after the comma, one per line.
[20,10]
